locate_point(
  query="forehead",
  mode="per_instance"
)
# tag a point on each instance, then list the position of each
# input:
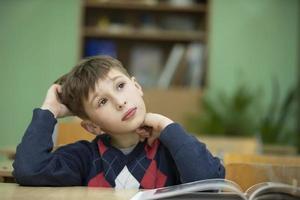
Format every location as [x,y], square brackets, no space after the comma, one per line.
[110,77]
[102,83]
[112,73]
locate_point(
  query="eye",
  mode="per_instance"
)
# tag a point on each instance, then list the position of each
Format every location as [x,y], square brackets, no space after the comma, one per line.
[121,85]
[102,102]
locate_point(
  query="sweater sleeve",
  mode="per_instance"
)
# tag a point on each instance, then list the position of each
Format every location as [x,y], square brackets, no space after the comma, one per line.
[35,163]
[193,160]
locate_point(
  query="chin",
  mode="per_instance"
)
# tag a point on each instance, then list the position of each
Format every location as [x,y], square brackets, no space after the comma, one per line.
[137,122]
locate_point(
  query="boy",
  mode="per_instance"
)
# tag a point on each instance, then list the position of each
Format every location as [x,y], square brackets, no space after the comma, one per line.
[133,148]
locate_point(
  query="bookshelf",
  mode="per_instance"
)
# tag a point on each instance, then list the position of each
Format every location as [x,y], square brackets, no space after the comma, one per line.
[147,35]
[142,35]
[145,6]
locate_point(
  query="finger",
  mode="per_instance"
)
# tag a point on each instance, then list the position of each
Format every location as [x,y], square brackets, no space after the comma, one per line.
[55,87]
[52,91]
[140,129]
[150,140]
[144,134]
[147,128]
[141,132]
[58,89]
[142,139]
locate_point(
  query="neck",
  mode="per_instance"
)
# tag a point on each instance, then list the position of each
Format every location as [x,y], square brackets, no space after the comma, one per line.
[124,140]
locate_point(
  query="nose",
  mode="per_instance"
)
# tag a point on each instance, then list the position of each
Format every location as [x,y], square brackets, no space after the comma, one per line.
[120,103]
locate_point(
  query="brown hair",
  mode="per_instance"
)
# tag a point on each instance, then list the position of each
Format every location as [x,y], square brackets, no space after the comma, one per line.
[82,78]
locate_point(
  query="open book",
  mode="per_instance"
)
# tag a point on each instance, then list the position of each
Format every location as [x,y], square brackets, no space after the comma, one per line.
[222,189]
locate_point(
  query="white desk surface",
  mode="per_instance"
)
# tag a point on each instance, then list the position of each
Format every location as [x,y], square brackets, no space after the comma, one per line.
[12,191]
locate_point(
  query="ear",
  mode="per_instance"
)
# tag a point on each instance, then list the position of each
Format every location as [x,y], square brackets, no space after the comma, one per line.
[137,85]
[91,127]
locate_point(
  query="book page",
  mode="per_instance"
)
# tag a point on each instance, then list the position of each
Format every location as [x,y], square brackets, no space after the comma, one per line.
[273,190]
[205,196]
[218,185]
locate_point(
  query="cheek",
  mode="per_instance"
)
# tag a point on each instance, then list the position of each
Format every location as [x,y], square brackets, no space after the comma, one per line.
[106,123]
[100,117]
[142,105]
[142,108]
[137,100]
[135,95]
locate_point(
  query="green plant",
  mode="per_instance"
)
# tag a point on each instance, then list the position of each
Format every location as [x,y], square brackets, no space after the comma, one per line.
[225,115]
[240,115]
[273,127]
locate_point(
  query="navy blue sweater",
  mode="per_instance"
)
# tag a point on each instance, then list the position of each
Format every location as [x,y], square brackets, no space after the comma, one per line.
[176,157]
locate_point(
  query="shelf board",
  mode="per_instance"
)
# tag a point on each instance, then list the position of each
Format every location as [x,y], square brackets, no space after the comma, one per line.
[140,34]
[142,6]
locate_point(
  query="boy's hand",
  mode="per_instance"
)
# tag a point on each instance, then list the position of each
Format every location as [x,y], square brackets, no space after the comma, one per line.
[152,127]
[52,102]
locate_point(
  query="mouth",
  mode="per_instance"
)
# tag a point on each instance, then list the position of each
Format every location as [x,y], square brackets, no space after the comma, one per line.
[129,114]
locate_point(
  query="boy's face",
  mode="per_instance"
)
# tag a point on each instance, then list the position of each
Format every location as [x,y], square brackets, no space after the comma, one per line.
[116,105]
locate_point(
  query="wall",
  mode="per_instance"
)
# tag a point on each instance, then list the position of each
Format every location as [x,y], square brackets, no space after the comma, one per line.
[252,42]
[38,42]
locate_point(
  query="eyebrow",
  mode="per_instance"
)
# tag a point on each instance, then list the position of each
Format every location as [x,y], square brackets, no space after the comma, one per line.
[113,79]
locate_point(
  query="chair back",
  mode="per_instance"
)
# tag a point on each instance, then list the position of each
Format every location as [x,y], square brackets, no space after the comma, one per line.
[250,169]
[70,132]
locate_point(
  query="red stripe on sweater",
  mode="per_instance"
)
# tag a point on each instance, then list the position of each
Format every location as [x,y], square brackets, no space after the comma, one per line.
[153,177]
[101,146]
[99,181]
[152,150]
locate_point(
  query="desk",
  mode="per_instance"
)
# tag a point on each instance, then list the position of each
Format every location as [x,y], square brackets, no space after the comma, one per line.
[8,152]
[248,174]
[6,171]
[12,191]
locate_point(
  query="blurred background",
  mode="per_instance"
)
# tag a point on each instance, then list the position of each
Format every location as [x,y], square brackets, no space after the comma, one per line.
[227,70]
